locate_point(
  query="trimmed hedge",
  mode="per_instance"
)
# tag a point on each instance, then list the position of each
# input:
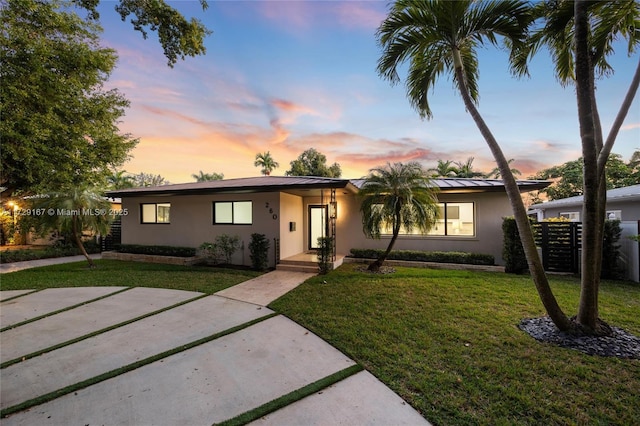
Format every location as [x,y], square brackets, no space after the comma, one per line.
[428,256]
[10,256]
[157,250]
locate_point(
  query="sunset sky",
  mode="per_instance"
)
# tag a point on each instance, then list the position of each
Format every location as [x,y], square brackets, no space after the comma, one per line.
[285,76]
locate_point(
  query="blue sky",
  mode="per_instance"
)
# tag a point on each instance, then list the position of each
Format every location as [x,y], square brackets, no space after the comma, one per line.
[285,76]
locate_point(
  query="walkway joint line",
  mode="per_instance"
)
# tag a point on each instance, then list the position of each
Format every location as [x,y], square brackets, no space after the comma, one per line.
[125,369]
[97,332]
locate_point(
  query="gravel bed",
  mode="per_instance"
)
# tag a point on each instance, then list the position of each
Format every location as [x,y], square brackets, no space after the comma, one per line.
[620,343]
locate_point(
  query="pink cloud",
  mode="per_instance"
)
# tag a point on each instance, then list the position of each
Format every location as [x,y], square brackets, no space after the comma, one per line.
[630,126]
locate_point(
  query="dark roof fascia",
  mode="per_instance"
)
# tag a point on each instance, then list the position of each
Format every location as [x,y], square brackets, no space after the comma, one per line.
[160,191]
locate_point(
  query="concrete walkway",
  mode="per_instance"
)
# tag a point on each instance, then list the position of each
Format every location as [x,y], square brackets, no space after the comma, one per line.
[138,356]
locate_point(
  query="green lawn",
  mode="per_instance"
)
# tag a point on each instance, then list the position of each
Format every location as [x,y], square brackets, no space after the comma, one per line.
[448,343]
[131,274]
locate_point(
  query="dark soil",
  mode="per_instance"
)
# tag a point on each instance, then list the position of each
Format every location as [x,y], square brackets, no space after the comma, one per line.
[620,343]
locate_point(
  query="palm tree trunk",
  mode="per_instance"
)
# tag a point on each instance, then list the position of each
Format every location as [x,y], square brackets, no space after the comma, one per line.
[593,185]
[78,239]
[377,264]
[520,214]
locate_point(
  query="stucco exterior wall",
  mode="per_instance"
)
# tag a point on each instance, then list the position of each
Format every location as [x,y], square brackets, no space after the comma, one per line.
[191,220]
[490,208]
[629,210]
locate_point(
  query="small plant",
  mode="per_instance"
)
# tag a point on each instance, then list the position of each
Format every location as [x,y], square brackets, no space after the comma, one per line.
[259,251]
[325,254]
[222,249]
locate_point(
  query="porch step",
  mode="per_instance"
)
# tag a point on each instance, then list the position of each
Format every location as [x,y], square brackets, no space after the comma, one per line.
[297,267]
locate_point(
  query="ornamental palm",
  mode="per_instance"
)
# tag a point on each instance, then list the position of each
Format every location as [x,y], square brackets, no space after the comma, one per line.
[266,161]
[72,212]
[438,37]
[397,196]
[580,37]
[443,169]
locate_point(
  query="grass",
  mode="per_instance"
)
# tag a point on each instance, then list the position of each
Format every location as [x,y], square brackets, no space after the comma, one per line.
[203,279]
[448,343]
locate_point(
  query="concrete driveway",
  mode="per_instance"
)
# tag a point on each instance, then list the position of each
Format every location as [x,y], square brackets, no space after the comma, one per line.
[141,356]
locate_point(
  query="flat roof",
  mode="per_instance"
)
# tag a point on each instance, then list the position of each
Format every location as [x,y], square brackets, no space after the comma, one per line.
[301,183]
[627,193]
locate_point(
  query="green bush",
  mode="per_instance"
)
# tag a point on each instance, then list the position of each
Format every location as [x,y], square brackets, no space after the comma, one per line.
[157,250]
[611,250]
[56,250]
[325,254]
[512,251]
[259,251]
[428,256]
[222,249]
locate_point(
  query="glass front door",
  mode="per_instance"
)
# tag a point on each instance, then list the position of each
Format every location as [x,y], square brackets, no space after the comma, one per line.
[317,225]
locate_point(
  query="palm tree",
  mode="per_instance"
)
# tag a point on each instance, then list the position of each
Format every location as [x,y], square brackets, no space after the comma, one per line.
[443,169]
[266,161]
[442,36]
[207,177]
[465,170]
[72,212]
[120,180]
[397,196]
[495,173]
[580,37]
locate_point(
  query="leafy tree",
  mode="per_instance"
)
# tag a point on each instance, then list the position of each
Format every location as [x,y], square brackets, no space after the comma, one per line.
[59,126]
[443,169]
[149,179]
[465,170]
[266,162]
[120,180]
[207,177]
[568,177]
[442,36]
[179,38]
[73,211]
[313,163]
[400,196]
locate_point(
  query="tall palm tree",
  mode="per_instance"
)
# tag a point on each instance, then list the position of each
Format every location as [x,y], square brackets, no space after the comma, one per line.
[397,196]
[443,169]
[72,212]
[580,36]
[266,161]
[437,37]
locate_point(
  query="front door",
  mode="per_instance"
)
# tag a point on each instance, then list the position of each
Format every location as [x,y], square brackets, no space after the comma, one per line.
[318,225]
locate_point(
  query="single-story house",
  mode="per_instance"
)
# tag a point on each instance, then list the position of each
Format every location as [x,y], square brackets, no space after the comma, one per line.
[293,211]
[622,204]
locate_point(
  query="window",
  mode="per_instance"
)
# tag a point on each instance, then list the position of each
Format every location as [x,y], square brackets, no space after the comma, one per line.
[155,213]
[454,219]
[233,212]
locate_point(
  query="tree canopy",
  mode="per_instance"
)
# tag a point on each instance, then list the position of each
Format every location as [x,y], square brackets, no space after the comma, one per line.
[59,125]
[568,177]
[313,163]
[265,161]
[178,36]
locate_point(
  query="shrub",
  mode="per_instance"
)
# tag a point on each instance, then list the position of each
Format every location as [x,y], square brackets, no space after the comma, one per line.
[428,256]
[259,251]
[325,254]
[512,251]
[222,249]
[56,250]
[157,250]
[611,250]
